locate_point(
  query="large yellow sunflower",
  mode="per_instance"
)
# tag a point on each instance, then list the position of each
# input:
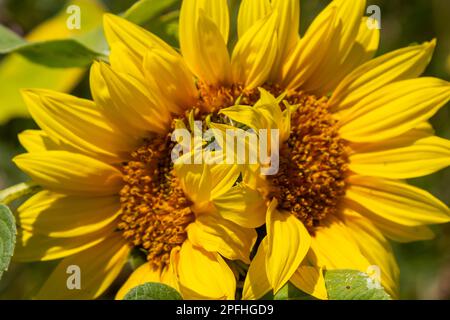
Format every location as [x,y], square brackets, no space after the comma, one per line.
[100,157]
[351,129]
[110,185]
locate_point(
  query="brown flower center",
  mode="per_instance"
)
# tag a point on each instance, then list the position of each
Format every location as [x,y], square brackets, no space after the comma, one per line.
[155,211]
[213,99]
[313,163]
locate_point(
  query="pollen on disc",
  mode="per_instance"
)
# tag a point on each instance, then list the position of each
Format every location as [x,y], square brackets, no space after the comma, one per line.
[313,164]
[155,210]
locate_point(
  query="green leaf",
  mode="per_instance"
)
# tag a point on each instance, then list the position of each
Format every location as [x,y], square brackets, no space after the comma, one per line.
[9,41]
[7,237]
[291,292]
[63,53]
[353,285]
[288,292]
[153,291]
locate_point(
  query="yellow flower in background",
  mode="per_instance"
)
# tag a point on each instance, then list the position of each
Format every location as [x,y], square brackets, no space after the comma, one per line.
[17,72]
[110,184]
[351,130]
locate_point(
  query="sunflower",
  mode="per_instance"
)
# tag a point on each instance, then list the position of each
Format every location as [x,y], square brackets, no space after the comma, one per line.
[103,198]
[110,186]
[351,129]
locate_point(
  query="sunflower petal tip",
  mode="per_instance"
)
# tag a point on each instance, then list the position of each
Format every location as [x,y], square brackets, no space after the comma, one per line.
[18,160]
[430,46]
[101,64]
[32,95]
[262,90]
[29,91]
[108,18]
[26,92]
[102,68]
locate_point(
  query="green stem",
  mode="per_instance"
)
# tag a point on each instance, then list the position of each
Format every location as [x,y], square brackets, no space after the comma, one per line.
[18,191]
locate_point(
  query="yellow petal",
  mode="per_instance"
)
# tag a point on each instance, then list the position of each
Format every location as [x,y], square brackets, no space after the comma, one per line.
[36,247]
[287,33]
[245,115]
[217,11]
[271,114]
[289,23]
[215,234]
[392,230]
[364,48]
[397,201]
[401,233]
[123,59]
[96,274]
[376,249]
[394,109]
[310,50]
[204,28]
[223,177]
[37,141]
[253,178]
[251,11]
[136,39]
[169,275]
[206,182]
[404,234]
[265,114]
[288,242]
[219,132]
[402,64]
[422,131]
[141,275]
[349,15]
[129,44]
[72,173]
[310,280]
[62,216]
[424,156]
[204,275]
[285,129]
[144,274]
[127,103]
[172,78]
[242,205]
[346,28]
[255,53]
[77,123]
[333,247]
[256,283]
[195,179]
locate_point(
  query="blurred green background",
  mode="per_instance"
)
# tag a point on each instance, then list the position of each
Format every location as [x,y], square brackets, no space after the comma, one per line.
[425,266]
